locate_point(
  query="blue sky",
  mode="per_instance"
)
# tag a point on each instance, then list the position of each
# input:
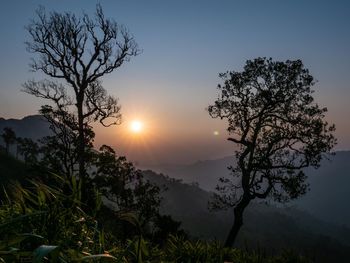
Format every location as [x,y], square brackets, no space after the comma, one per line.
[185,44]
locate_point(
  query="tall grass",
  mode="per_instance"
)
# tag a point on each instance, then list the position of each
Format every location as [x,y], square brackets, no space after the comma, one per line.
[42,223]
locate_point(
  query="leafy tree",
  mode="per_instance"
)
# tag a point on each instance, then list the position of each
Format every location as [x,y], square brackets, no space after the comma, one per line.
[123,185]
[77,52]
[59,151]
[9,137]
[278,129]
[28,149]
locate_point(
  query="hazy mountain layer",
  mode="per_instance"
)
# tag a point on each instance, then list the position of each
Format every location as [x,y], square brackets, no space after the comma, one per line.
[34,127]
[329,185]
[265,226]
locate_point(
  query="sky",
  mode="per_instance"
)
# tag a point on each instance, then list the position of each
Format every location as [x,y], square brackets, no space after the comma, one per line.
[185,45]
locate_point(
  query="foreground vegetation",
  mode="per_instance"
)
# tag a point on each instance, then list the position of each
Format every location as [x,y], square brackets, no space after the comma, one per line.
[50,223]
[43,225]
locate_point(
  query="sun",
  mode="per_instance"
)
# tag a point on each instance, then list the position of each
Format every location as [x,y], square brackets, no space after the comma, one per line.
[136,126]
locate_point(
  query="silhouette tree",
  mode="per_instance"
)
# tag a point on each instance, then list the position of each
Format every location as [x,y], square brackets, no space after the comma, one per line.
[127,191]
[278,128]
[59,151]
[124,186]
[28,149]
[9,137]
[77,52]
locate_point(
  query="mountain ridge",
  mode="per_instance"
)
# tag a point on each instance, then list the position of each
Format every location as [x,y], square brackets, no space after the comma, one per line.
[32,126]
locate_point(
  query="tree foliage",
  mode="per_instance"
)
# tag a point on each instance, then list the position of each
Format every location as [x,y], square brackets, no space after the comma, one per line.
[123,185]
[278,130]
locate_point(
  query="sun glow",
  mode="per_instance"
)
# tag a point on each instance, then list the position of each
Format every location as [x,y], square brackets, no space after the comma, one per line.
[136,126]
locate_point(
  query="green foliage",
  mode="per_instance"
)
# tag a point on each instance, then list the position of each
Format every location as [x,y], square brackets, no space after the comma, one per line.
[179,249]
[42,252]
[124,186]
[55,220]
[47,224]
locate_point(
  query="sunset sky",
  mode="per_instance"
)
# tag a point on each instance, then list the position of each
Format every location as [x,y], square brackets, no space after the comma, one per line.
[185,45]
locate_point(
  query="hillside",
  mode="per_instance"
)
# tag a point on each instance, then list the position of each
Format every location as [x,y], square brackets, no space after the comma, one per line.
[329,190]
[266,227]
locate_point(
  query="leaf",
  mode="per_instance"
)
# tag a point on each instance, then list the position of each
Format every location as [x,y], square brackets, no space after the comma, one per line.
[11,251]
[17,239]
[98,256]
[42,252]
[130,218]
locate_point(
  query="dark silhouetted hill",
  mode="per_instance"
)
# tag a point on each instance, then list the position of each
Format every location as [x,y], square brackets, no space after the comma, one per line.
[266,226]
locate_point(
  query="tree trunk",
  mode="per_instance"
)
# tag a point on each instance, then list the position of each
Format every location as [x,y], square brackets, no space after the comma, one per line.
[81,146]
[238,221]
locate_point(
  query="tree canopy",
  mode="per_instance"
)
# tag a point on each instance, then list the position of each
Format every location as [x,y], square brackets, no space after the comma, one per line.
[278,129]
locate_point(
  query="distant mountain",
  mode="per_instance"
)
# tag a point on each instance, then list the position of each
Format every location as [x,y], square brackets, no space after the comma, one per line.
[34,126]
[265,226]
[329,194]
[205,173]
[329,185]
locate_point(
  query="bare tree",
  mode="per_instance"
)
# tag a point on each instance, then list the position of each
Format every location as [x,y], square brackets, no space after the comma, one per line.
[278,128]
[77,52]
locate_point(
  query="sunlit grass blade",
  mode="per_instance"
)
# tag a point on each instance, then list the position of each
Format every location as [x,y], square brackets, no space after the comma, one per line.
[41,252]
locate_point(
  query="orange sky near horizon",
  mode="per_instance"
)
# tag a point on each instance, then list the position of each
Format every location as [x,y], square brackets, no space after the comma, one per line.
[185,45]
